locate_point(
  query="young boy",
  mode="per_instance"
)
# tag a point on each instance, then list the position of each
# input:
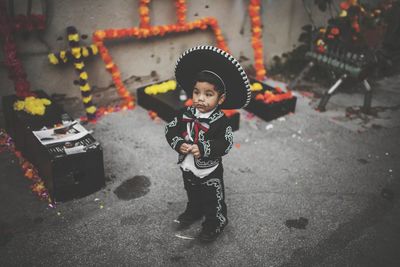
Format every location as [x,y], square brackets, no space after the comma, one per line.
[201,134]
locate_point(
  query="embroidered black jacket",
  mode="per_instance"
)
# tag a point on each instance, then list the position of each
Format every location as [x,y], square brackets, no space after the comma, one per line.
[213,143]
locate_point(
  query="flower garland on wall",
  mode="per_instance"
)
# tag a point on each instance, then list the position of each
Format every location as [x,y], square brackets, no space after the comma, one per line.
[145,30]
[77,55]
[15,68]
[30,172]
[256,39]
[181,11]
[144,14]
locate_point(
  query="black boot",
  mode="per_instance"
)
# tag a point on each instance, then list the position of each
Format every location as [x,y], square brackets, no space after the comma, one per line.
[189,216]
[209,234]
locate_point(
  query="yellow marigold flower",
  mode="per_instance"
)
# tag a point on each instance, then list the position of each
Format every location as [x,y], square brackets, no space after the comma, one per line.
[87,99]
[32,105]
[256,87]
[160,88]
[85,87]
[91,109]
[150,90]
[63,56]
[46,101]
[85,52]
[94,48]
[79,65]
[19,105]
[73,37]
[83,75]
[343,13]
[76,52]
[172,84]
[53,59]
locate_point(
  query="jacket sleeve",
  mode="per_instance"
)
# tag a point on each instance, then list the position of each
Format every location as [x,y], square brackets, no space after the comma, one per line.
[219,146]
[172,135]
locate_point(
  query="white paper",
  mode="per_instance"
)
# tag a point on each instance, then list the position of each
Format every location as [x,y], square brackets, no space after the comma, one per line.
[48,136]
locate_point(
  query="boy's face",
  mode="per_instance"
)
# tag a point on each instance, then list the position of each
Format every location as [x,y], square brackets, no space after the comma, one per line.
[205,97]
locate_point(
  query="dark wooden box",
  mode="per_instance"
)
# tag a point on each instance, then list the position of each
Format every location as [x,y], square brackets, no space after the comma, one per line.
[66,176]
[69,176]
[166,105]
[271,111]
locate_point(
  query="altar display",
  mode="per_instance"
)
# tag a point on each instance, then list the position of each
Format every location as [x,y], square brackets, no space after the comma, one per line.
[55,143]
[67,157]
[269,102]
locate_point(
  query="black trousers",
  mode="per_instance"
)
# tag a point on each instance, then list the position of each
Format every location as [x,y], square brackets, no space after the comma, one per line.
[206,196]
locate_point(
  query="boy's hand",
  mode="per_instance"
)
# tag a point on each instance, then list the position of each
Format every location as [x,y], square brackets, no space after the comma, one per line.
[185,148]
[195,151]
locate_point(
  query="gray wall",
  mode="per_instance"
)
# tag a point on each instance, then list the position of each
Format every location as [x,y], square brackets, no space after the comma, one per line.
[138,58]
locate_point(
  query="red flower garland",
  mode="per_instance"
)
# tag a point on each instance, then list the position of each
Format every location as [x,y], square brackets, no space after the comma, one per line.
[144,12]
[181,11]
[15,68]
[256,40]
[30,172]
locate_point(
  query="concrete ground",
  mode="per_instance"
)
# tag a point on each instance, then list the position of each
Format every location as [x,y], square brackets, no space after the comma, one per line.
[309,189]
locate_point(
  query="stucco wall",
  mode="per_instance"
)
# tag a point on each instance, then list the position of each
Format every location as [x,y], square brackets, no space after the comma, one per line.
[139,58]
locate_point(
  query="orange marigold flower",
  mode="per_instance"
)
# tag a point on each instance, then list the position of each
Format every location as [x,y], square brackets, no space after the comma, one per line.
[259,96]
[100,34]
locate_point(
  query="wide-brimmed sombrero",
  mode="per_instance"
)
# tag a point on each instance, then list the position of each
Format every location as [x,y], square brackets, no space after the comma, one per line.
[219,62]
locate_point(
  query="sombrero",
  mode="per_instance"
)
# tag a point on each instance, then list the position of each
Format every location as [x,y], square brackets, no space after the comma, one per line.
[223,65]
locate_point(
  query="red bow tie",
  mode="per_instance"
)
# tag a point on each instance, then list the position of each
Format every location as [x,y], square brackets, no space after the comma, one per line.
[199,124]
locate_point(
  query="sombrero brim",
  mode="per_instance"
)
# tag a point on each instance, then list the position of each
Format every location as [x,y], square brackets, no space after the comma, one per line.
[211,58]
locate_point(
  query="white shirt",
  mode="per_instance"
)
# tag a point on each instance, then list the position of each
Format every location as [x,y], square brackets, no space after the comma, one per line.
[188,163]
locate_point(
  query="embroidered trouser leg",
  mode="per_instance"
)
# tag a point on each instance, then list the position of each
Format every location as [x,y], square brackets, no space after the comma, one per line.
[213,200]
[193,191]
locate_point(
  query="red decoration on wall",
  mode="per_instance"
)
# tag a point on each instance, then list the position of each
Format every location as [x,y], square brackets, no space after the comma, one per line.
[7,27]
[146,30]
[256,39]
